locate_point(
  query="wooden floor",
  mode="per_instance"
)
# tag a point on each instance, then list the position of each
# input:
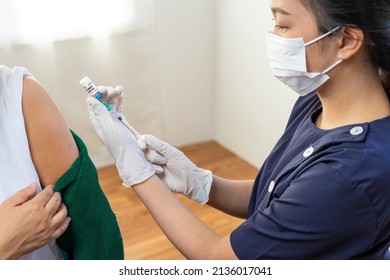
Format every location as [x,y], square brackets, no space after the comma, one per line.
[142,238]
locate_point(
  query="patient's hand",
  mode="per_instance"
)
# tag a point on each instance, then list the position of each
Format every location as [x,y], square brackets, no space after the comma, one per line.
[29,221]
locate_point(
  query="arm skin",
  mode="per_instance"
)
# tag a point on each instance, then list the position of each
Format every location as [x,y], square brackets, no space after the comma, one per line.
[191,236]
[52,147]
[231,196]
[30,220]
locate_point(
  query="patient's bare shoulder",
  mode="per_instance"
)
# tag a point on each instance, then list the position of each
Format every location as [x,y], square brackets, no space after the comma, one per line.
[52,146]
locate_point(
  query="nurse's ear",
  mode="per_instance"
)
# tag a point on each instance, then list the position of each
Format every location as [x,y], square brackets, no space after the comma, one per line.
[350,41]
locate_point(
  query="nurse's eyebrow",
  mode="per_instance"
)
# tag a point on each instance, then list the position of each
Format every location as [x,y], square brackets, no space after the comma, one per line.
[276,10]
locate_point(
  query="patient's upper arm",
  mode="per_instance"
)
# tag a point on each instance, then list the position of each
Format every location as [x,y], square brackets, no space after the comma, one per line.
[52,146]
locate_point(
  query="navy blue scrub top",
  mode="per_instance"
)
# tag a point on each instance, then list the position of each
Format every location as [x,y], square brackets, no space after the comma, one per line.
[321,194]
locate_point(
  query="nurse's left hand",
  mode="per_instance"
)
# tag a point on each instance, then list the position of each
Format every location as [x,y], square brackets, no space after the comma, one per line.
[132,166]
[113,96]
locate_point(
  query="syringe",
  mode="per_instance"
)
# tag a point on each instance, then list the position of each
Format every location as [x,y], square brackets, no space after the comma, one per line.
[92,91]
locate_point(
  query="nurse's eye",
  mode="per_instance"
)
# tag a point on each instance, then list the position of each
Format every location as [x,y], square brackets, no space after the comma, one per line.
[277,28]
[281,28]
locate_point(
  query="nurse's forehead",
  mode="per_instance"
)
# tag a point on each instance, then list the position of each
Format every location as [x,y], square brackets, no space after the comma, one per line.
[287,7]
[292,9]
[278,10]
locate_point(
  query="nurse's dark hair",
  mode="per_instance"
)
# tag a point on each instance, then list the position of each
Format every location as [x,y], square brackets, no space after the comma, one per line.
[371,16]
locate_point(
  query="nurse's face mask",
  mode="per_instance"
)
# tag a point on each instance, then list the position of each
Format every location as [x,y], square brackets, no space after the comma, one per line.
[287,57]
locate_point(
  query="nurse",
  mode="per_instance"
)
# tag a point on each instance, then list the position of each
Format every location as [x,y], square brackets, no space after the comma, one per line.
[324,191]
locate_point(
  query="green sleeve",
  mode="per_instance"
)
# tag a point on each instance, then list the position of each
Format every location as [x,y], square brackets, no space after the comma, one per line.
[93,233]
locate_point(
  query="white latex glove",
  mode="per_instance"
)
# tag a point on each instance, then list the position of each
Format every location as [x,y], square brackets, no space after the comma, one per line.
[114,98]
[180,174]
[130,160]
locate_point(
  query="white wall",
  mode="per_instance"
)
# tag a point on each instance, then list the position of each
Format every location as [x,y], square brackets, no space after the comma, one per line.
[165,63]
[215,77]
[186,50]
[192,70]
[252,107]
[127,57]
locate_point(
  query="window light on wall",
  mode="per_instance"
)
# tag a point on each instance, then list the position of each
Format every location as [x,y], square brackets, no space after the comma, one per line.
[48,20]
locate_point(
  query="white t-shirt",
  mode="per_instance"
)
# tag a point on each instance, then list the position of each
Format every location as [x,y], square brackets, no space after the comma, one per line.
[17,170]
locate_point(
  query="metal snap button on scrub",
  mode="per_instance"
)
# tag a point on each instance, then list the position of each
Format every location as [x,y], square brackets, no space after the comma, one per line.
[308,152]
[271,186]
[357,130]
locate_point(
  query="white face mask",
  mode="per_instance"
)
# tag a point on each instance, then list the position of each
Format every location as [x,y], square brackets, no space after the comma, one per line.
[287,57]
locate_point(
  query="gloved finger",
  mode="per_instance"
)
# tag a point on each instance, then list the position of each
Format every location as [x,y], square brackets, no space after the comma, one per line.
[119,90]
[96,107]
[115,98]
[111,95]
[110,91]
[99,115]
[158,145]
[96,125]
[102,89]
[155,143]
[140,142]
[158,169]
[154,157]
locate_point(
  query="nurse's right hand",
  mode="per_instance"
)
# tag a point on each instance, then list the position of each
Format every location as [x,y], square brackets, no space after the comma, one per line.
[180,174]
[29,221]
